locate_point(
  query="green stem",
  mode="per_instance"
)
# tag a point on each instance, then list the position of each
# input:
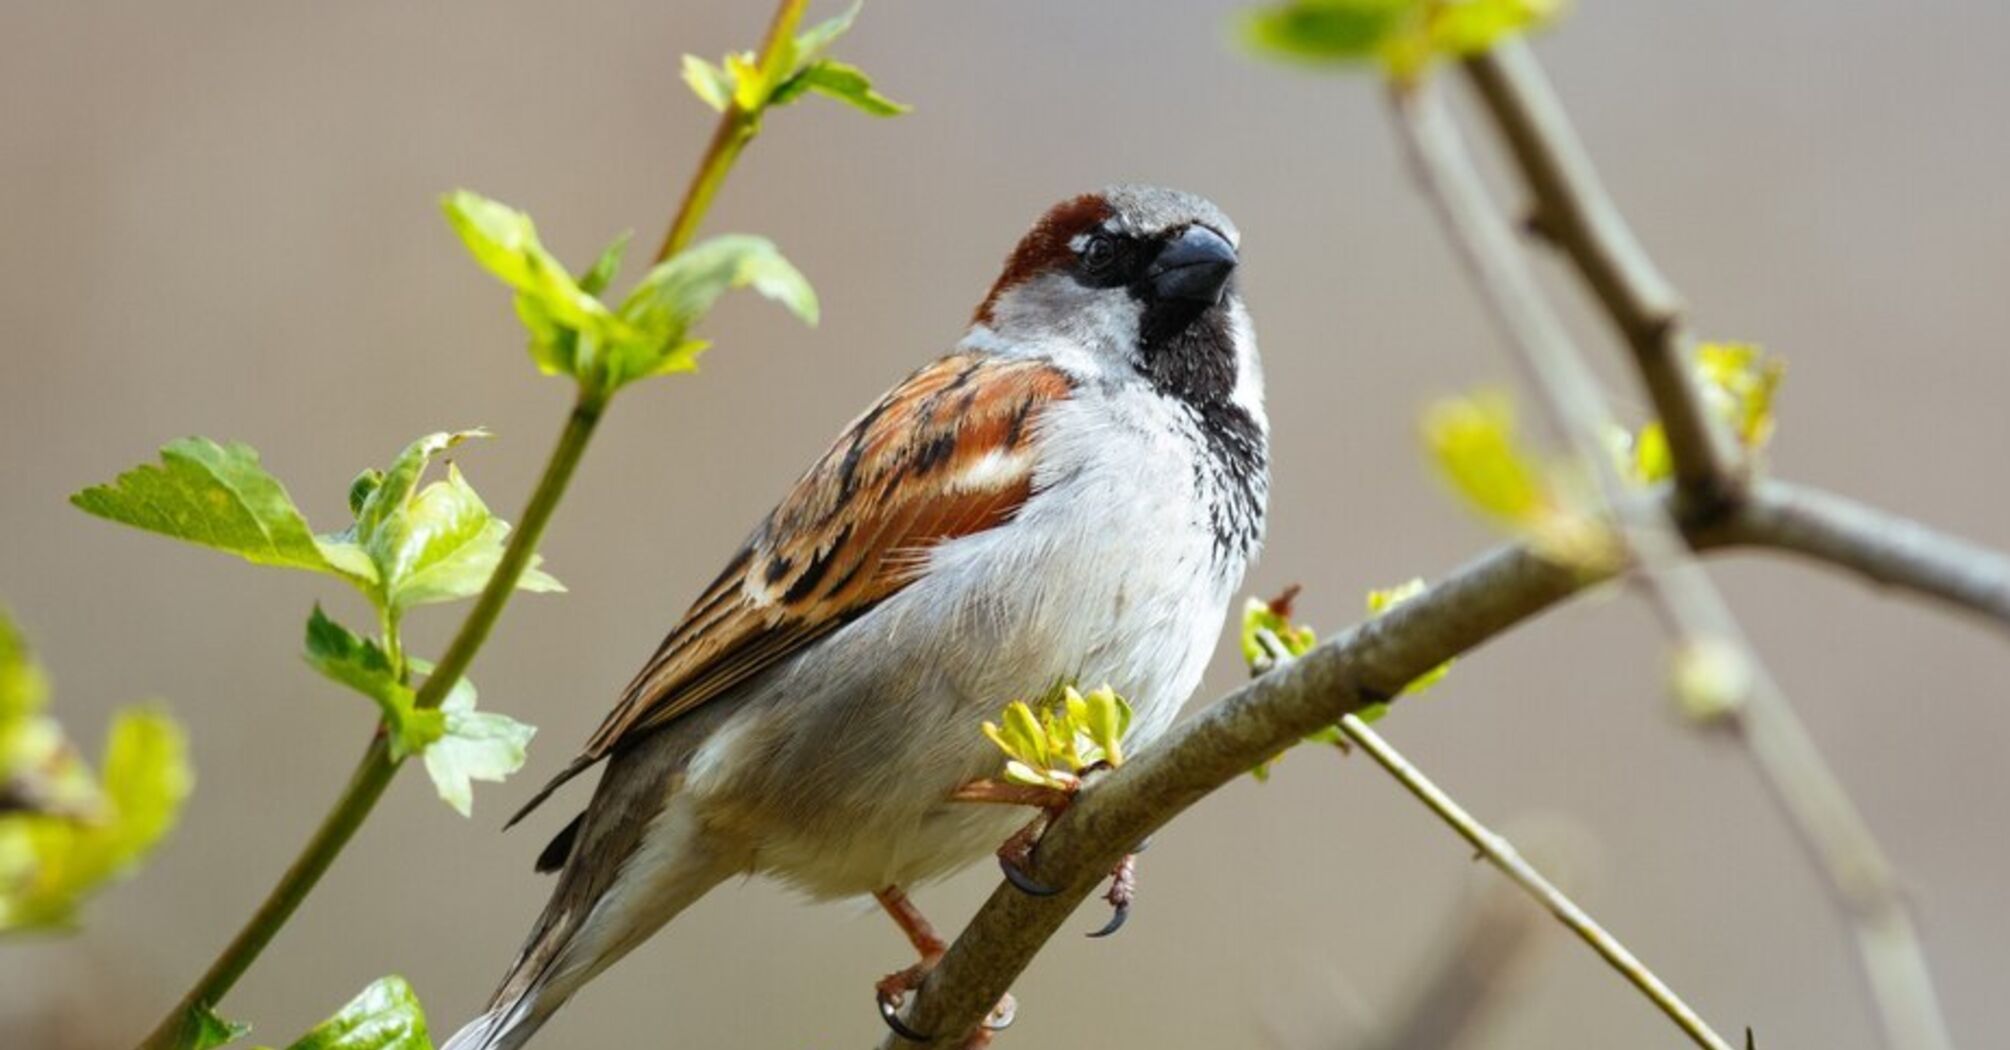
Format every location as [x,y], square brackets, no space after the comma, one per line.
[373,774]
[516,557]
[736,128]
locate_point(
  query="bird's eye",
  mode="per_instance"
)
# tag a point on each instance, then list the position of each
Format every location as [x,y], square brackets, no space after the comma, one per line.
[1100,252]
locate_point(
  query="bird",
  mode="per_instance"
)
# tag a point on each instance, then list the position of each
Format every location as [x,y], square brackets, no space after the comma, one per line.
[1071,494]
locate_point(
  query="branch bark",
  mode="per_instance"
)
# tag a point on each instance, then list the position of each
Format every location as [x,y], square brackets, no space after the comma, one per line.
[1573,211]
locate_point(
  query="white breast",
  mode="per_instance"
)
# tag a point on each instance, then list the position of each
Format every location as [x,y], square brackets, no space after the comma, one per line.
[835,774]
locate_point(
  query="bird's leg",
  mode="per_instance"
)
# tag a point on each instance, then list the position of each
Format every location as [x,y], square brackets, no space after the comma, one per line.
[893,988]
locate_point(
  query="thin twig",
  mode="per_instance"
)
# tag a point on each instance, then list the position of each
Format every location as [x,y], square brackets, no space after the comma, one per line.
[1814,799]
[735,129]
[1503,855]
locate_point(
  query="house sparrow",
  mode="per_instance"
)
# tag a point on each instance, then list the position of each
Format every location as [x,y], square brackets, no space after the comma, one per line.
[1071,495]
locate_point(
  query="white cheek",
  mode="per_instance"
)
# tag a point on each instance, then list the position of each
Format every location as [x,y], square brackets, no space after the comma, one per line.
[1089,331]
[1248,367]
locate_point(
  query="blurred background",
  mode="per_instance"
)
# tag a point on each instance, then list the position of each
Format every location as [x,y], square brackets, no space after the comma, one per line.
[221,218]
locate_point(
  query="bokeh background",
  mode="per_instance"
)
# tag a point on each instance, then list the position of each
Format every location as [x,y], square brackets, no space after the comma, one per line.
[220,218]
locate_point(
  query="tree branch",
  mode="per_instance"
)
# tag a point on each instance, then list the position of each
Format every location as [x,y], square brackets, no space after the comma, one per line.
[1808,791]
[1572,209]
[1881,547]
[1475,603]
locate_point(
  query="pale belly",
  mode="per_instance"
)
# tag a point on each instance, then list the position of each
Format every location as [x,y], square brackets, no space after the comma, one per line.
[835,774]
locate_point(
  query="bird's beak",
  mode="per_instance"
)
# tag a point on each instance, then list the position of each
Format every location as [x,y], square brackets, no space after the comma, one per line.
[1193,267]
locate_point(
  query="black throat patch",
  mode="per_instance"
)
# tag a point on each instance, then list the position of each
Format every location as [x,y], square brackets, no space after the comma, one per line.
[1188,355]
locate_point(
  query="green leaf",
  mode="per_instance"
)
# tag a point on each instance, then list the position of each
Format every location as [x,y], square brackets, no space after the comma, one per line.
[214,495]
[435,544]
[815,40]
[49,863]
[1474,443]
[386,1016]
[567,322]
[204,1030]
[597,277]
[712,84]
[846,83]
[1326,31]
[1468,27]
[24,689]
[362,665]
[1381,601]
[677,294]
[1405,36]
[478,745]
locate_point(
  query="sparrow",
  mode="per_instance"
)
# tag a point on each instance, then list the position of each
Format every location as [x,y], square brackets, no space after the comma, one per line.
[1071,495]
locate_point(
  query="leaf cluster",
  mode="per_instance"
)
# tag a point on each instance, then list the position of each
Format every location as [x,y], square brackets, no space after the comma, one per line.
[1069,733]
[1404,36]
[65,831]
[751,86]
[408,544]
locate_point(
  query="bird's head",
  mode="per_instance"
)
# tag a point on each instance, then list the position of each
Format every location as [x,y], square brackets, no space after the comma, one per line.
[1131,279]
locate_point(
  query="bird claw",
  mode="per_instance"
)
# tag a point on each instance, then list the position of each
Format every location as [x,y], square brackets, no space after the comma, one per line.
[891,991]
[1002,1015]
[1117,919]
[889,1011]
[1016,852]
[1021,881]
[1123,891]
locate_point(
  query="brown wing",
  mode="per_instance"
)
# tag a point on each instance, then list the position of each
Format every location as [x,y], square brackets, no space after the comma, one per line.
[944,454]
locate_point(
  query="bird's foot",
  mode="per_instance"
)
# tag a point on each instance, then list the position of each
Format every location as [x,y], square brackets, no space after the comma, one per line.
[1017,853]
[1123,890]
[891,991]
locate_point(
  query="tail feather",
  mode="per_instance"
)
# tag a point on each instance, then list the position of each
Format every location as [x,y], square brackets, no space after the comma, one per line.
[638,858]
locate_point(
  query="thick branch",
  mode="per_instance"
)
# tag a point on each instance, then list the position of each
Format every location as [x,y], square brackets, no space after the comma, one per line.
[1572,209]
[1484,598]
[1369,663]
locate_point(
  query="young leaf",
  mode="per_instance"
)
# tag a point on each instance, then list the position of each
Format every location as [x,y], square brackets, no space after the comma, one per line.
[567,323]
[49,863]
[814,41]
[435,544]
[385,1016]
[477,745]
[1381,601]
[844,82]
[712,84]
[23,686]
[596,279]
[1473,442]
[1326,31]
[1468,27]
[205,1030]
[677,294]
[360,664]
[214,495]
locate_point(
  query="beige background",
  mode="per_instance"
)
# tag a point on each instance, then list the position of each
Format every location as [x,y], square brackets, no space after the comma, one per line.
[220,218]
